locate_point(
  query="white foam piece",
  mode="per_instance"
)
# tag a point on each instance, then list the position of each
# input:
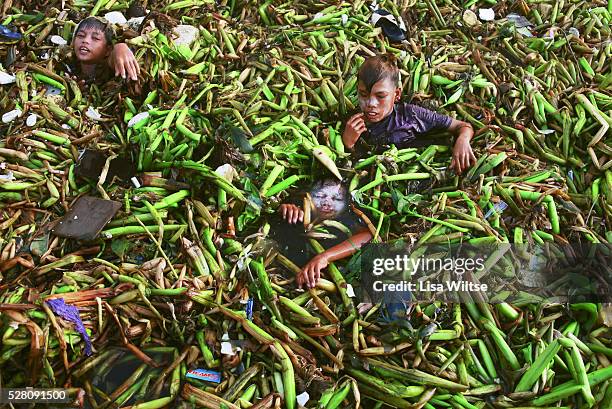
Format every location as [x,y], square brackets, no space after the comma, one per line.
[115,17]
[31,120]
[226,171]
[6,78]
[137,118]
[226,348]
[11,116]
[58,40]
[303,398]
[185,34]
[486,14]
[92,114]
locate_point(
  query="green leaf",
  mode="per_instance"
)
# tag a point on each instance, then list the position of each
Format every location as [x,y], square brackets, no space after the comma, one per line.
[120,246]
[240,140]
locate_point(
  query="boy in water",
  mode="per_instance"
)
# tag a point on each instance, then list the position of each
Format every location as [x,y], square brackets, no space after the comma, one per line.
[96,55]
[386,121]
[343,237]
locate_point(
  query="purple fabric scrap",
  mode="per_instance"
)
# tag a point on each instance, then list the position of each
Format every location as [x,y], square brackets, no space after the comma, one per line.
[71,313]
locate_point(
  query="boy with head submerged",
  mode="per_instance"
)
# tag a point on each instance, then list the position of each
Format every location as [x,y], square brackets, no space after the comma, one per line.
[340,239]
[387,121]
[94,51]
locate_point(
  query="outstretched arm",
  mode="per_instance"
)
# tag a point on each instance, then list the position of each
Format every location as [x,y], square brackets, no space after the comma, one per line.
[463,157]
[312,271]
[124,63]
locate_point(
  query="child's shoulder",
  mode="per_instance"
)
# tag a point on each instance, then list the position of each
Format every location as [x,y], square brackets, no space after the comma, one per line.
[408,110]
[413,109]
[423,112]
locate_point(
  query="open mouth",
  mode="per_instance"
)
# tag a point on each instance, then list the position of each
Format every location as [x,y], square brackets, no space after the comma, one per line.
[83,50]
[371,115]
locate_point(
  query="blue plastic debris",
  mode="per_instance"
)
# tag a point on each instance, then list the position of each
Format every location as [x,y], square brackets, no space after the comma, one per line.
[8,36]
[395,307]
[497,208]
[249,309]
[52,90]
[204,375]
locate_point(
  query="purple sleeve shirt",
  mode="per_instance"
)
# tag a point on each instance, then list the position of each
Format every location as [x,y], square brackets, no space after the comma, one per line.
[402,127]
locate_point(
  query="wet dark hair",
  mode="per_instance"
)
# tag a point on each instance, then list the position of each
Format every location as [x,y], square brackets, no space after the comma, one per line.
[378,68]
[97,23]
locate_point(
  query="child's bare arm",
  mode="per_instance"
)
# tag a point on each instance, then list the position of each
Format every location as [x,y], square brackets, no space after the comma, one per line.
[291,213]
[124,63]
[463,157]
[355,126]
[312,271]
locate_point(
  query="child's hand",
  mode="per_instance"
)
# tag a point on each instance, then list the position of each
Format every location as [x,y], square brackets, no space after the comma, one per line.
[463,157]
[80,81]
[311,272]
[291,213]
[124,63]
[355,126]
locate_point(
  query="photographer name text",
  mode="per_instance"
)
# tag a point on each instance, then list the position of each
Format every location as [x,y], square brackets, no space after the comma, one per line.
[459,285]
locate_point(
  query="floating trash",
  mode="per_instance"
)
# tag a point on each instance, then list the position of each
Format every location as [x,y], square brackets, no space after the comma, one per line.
[6,78]
[11,116]
[58,40]
[486,14]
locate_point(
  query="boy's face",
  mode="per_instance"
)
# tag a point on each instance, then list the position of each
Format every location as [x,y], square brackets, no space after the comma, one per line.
[90,45]
[378,103]
[329,200]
